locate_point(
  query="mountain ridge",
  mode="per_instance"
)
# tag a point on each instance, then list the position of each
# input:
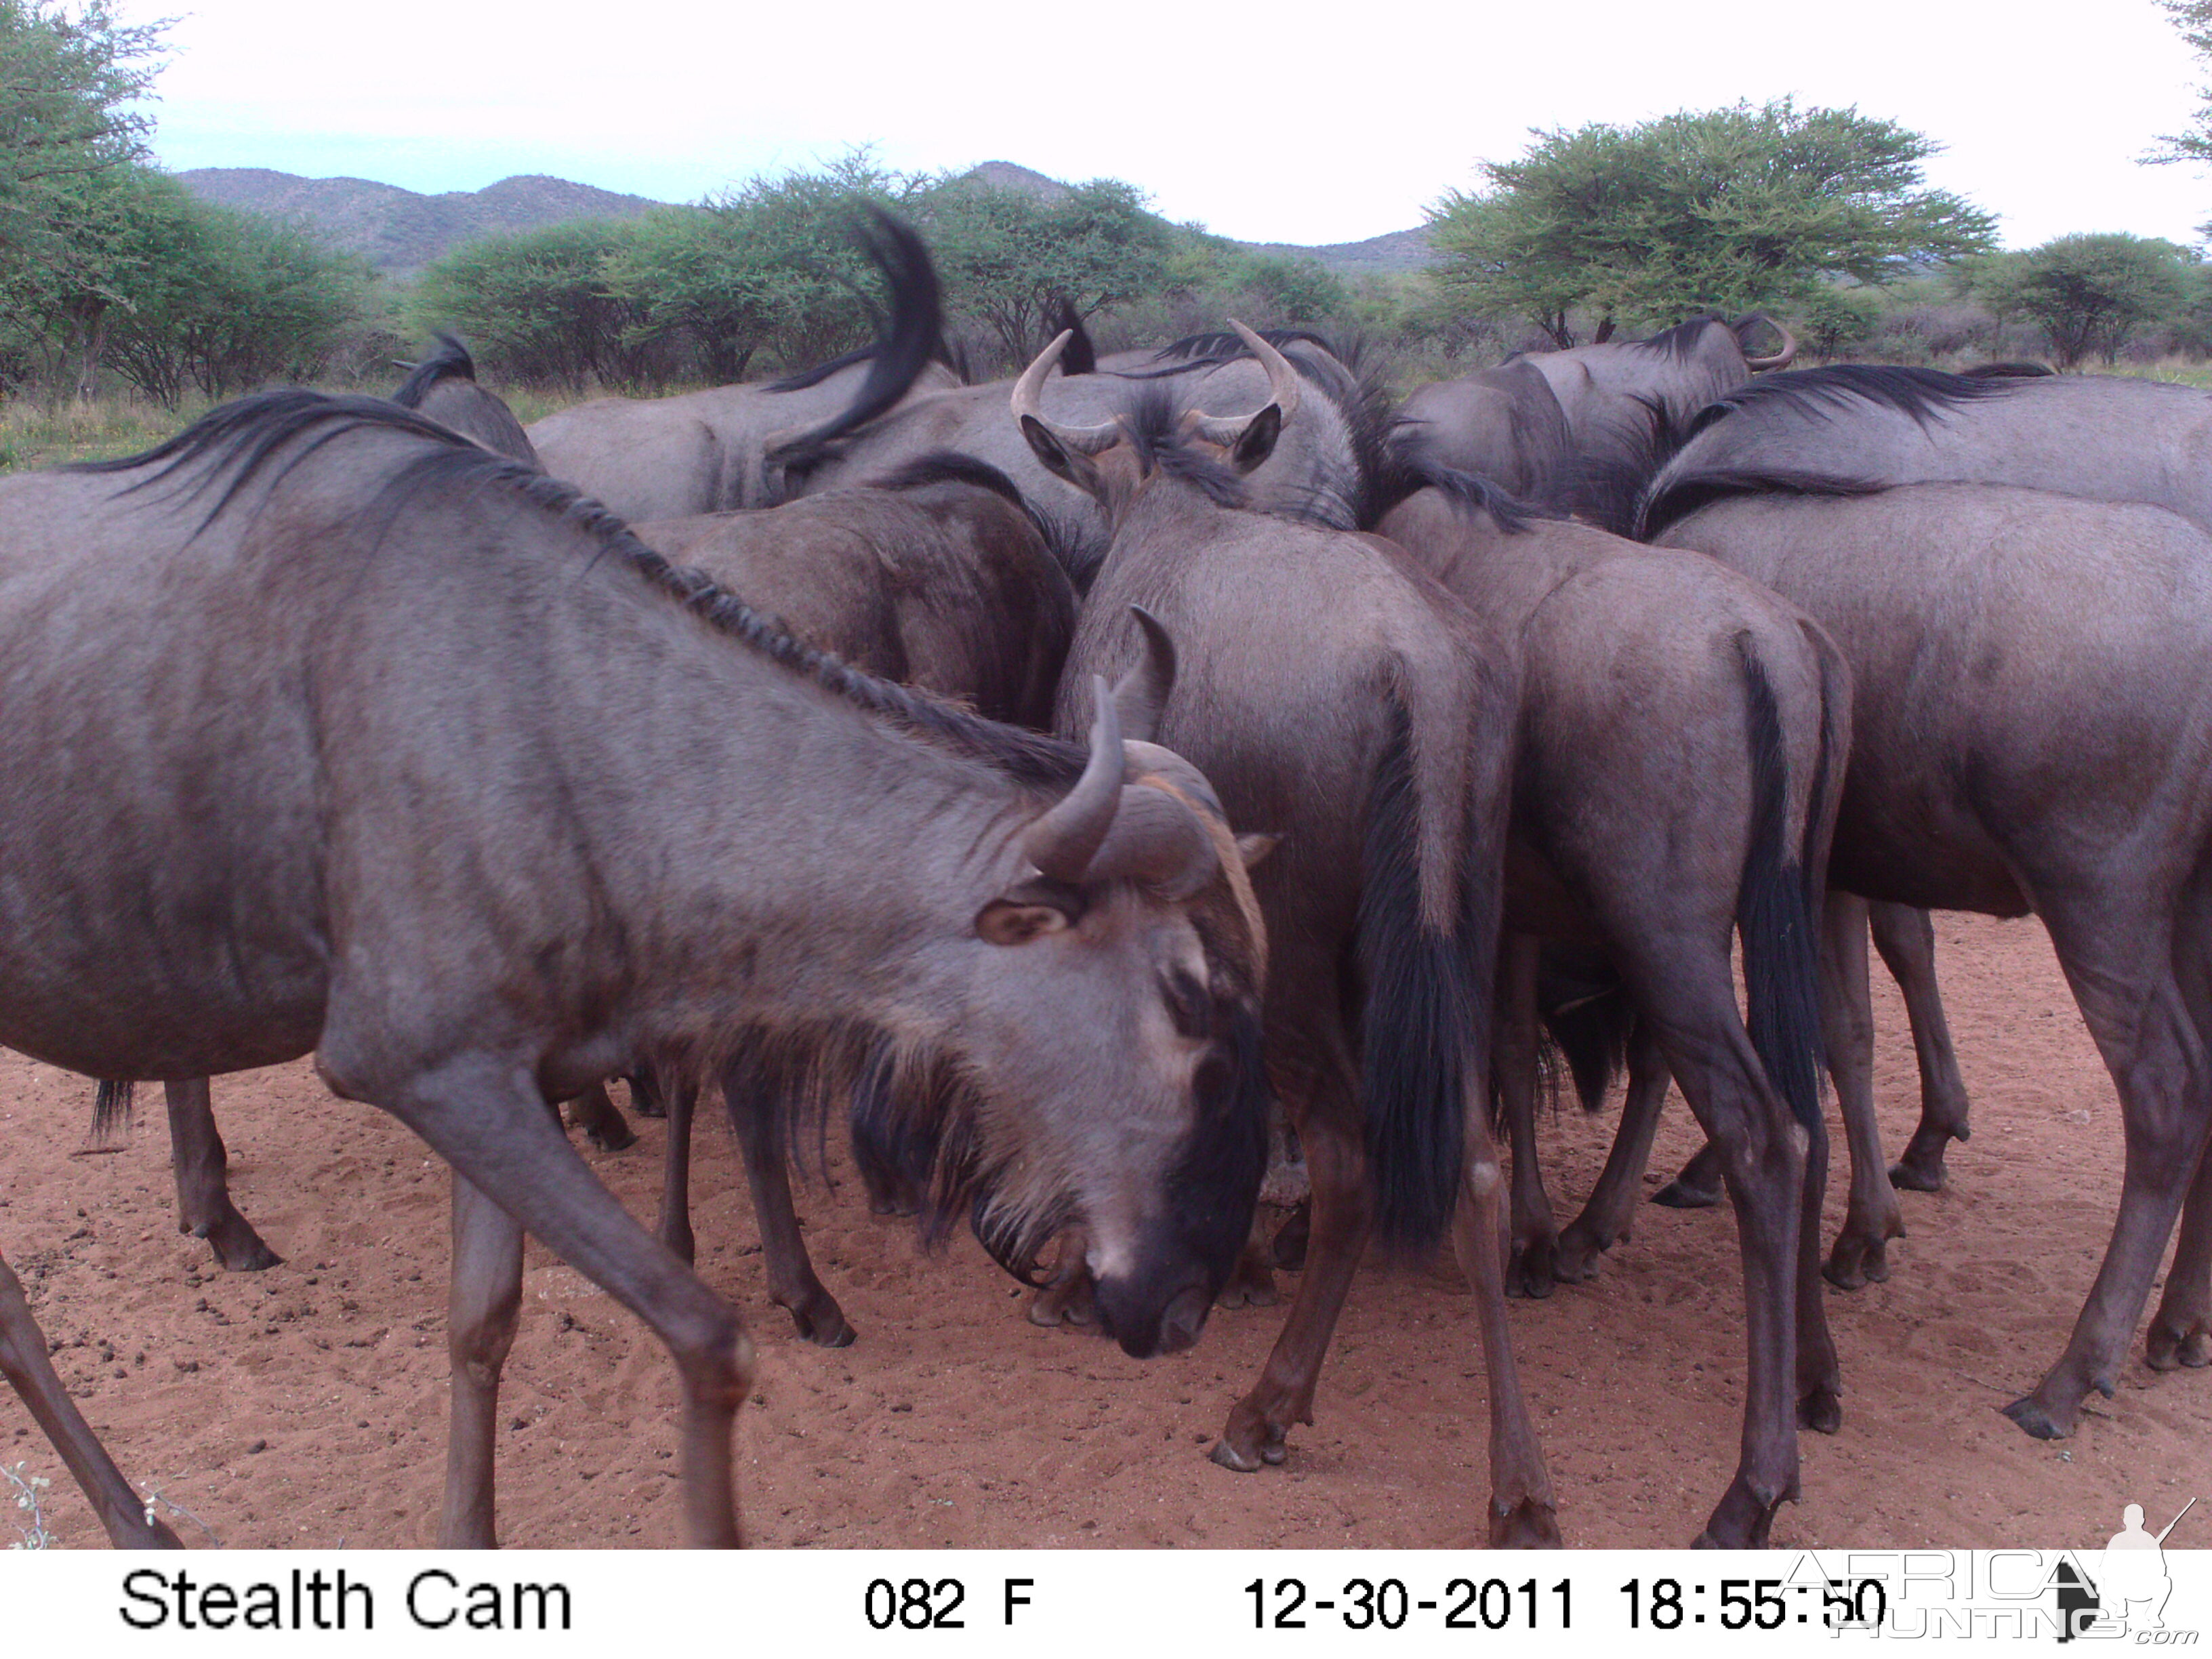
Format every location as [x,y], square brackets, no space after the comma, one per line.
[399,231]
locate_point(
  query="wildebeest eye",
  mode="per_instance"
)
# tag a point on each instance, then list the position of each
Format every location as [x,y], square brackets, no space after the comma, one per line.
[1189,1008]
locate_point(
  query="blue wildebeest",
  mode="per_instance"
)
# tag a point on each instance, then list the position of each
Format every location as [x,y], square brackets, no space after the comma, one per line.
[2027,741]
[1682,736]
[607,815]
[443,387]
[1342,702]
[1504,424]
[723,448]
[1321,469]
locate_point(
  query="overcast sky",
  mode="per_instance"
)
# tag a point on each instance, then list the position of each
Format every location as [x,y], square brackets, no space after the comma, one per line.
[1298,122]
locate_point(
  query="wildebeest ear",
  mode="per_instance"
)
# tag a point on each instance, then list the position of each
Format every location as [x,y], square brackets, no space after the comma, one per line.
[1254,848]
[1028,910]
[1061,461]
[1258,440]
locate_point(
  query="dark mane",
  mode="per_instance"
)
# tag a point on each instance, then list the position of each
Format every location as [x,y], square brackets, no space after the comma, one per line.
[1466,492]
[1918,393]
[1222,345]
[1154,426]
[1700,490]
[1680,341]
[450,360]
[2008,372]
[245,439]
[951,466]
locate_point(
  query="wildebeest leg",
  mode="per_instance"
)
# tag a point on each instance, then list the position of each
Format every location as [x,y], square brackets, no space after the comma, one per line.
[792,1284]
[23,1362]
[1343,1214]
[595,1113]
[1607,1218]
[1873,1216]
[645,1096]
[487,1118]
[675,1170]
[1688,996]
[1521,1513]
[1535,1236]
[485,1303]
[1252,1280]
[202,1166]
[1906,939]
[1289,1250]
[2117,956]
[2181,1330]
[1697,1185]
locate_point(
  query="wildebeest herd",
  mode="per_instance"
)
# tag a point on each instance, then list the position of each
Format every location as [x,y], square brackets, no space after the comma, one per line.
[1073,782]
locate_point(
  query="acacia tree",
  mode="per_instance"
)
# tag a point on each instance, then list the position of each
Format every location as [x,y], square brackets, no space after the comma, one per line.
[1009,257]
[2089,293]
[1726,210]
[2193,18]
[68,79]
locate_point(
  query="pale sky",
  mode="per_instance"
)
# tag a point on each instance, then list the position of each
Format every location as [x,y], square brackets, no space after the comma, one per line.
[1294,122]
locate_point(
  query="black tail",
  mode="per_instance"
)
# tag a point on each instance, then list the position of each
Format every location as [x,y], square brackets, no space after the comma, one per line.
[449,362]
[1079,356]
[111,1111]
[1419,1022]
[1774,912]
[914,336]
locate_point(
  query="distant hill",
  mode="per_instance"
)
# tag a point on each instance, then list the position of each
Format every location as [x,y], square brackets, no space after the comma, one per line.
[400,232]
[397,230]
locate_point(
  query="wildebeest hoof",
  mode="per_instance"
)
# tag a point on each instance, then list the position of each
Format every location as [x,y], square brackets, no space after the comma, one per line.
[645,1099]
[1526,1524]
[1291,1238]
[1858,1258]
[1067,1300]
[822,1323]
[1250,1285]
[237,1246]
[1528,1273]
[2164,1348]
[1574,1258]
[1821,1410]
[1698,1187]
[1230,1458]
[2039,1419]
[1742,1519]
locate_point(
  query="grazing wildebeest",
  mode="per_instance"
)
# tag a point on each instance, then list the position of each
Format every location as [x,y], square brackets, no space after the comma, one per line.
[1341,703]
[1682,735]
[330,732]
[2107,438]
[2032,714]
[939,578]
[1321,469]
[723,448]
[1503,424]
[1605,390]
[443,387]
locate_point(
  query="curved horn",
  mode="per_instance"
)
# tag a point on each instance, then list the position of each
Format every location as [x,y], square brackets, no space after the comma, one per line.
[1142,691]
[1282,391]
[1156,842]
[1063,842]
[1027,404]
[1780,359]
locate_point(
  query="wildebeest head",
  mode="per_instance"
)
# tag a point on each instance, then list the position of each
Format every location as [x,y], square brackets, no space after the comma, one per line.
[1132,935]
[1115,459]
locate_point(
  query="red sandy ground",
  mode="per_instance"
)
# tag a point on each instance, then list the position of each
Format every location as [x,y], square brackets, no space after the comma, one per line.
[306,1406]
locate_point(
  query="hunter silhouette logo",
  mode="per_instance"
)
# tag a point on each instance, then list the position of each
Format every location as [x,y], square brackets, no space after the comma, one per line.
[2128,1595]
